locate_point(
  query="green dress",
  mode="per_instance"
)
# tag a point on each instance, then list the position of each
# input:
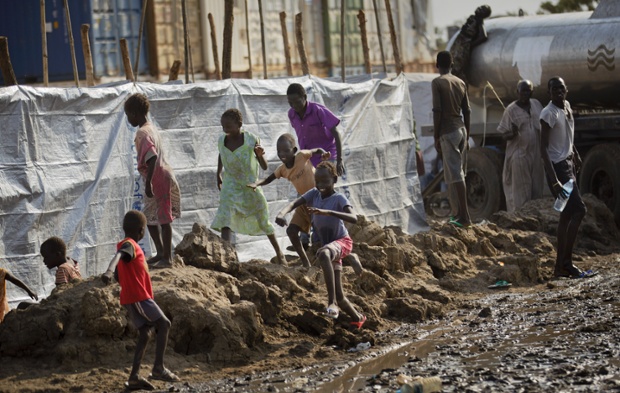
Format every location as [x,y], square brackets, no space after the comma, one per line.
[241,209]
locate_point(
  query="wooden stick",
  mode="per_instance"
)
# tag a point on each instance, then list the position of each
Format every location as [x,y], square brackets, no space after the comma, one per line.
[374,5]
[174,71]
[229,20]
[397,63]
[343,10]
[88,56]
[362,19]
[262,37]
[71,44]
[46,79]
[185,39]
[142,19]
[300,44]
[126,61]
[5,63]
[247,34]
[287,47]
[216,59]
[191,59]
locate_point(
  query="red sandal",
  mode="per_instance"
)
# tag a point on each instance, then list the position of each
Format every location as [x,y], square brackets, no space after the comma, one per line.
[358,325]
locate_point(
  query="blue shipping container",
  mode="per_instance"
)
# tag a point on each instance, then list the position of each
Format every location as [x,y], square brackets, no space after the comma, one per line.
[109,20]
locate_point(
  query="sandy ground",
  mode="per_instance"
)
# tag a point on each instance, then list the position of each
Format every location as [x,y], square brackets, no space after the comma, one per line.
[257,326]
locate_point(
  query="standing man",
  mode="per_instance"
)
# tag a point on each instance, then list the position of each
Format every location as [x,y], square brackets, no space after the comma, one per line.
[523,175]
[452,133]
[562,162]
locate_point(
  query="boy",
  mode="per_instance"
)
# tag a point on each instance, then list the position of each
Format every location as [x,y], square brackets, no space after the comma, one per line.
[137,298]
[4,303]
[54,253]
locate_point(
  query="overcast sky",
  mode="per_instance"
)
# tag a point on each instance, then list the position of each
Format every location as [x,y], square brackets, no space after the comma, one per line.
[447,12]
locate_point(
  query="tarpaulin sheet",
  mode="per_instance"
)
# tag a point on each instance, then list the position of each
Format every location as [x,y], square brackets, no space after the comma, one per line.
[67,161]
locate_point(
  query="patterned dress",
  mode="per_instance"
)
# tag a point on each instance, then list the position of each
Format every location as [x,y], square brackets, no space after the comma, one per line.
[241,209]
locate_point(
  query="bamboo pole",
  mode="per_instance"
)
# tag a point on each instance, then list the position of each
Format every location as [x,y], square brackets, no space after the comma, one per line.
[262,38]
[5,63]
[362,19]
[46,80]
[142,19]
[229,20]
[247,35]
[287,47]
[126,61]
[343,10]
[88,56]
[374,6]
[174,71]
[216,59]
[300,44]
[185,39]
[76,77]
[397,63]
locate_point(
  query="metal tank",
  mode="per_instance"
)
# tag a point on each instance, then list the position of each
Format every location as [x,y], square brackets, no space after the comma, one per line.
[580,47]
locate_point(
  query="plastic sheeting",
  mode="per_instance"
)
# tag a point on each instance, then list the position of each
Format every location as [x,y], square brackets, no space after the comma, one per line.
[68,163]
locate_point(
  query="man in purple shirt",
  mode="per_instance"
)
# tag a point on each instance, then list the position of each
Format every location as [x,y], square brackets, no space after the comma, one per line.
[315,126]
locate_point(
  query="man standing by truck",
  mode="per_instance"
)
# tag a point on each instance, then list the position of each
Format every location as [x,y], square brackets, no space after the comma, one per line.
[452,133]
[523,175]
[562,162]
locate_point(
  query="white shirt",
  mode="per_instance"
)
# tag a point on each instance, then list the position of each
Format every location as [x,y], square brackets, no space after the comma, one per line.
[562,131]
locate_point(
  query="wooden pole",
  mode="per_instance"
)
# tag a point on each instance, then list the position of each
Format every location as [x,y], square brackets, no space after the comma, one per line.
[216,59]
[142,19]
[126,61]
[374,5]
[174,70]
[76,77]
[229,20]
[46,79]
[262,38]
[362,19]
[5,63]
[185,39]
[287,47]
[343,10]
[88,56]
[397,63]
[247,35]
[300,44]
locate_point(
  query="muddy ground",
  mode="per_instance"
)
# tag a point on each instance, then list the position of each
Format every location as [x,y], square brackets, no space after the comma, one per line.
[257,326]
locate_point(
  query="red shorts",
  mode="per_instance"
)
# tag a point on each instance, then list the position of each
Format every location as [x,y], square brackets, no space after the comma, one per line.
[338,249]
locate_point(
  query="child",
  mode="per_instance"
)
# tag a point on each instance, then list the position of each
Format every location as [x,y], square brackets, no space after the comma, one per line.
[4,302]
[241,210]
[329,208]
[137,298]
[163,198]
[54,253]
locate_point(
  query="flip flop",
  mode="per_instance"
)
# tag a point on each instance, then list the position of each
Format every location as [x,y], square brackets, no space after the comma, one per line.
[139,384]
[165,375]
[332,312]
[586,274]
[358,324]
[500,284]
[456,222]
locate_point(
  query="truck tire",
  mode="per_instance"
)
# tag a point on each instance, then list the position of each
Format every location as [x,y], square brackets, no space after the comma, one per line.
[484,182]
[600,176]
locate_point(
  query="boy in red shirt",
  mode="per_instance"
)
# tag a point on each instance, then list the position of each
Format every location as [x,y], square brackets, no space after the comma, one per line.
[137,298]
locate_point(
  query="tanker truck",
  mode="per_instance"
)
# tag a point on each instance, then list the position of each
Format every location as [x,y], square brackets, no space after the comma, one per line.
[581,48]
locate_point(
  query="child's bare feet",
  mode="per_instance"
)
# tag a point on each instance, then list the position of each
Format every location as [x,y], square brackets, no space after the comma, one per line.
[162,264]
[154,259]
[281,260]
[354,261]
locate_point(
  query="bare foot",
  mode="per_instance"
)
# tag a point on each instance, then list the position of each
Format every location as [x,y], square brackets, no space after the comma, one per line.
[154,259]
[354,261]
[282,260]
[162,264]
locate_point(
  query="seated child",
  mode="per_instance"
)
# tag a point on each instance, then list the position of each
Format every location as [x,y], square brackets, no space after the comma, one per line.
[54,252]
[4,302]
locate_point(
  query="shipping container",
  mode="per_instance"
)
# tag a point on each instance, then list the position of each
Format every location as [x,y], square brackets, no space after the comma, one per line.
[110,20]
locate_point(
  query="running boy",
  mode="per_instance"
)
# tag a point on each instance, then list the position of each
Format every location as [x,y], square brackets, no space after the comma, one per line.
[137,298]
[329,208]
[54,253]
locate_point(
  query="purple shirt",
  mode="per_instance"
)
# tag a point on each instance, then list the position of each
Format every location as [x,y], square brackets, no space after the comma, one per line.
[328,228]
[314,130]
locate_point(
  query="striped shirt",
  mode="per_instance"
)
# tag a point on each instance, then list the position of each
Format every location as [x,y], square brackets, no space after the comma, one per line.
[68,271]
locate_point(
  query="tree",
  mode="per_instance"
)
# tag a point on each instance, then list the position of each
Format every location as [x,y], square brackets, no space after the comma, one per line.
[568,6]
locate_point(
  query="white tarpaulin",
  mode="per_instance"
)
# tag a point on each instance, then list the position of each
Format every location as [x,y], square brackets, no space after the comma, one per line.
[67,161]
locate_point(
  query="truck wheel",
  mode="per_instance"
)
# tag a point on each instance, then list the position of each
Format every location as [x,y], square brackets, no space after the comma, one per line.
[600,175]
[484,182]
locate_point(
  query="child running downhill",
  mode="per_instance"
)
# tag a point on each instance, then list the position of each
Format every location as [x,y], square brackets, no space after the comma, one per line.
[241,210]
[329,209]
[137,298]
[298,169]
[163,199]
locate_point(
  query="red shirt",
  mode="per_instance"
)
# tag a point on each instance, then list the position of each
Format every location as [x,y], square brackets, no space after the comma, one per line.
[133,275]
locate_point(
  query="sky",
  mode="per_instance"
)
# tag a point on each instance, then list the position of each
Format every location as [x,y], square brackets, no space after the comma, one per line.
[447,12]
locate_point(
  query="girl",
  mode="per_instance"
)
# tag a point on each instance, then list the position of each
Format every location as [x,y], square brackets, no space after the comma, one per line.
[329,208]
[163,202]
[241,209]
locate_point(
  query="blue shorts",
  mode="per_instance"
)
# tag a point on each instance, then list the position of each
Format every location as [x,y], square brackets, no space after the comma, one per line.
[143,313]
